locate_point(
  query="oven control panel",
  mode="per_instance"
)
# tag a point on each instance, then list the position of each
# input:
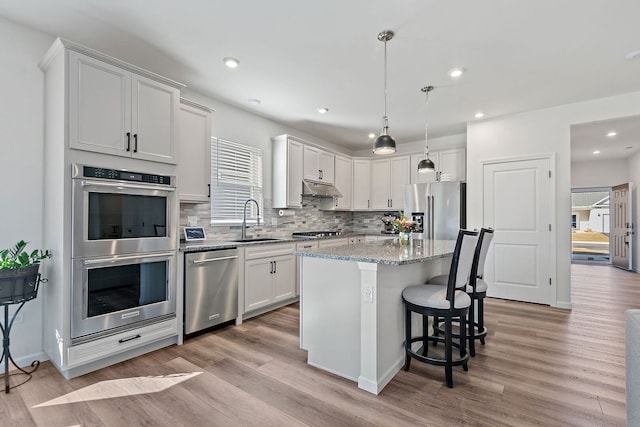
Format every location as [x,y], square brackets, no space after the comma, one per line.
[120,175]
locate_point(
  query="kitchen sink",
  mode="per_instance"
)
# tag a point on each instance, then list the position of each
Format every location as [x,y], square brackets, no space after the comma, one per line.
[259,239]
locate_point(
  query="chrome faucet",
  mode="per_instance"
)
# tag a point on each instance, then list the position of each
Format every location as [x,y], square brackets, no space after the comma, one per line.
[244,217]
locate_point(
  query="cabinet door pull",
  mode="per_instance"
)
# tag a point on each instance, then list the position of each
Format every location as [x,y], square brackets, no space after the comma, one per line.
[123,340]
[209,190]
[275,266]
[135,142]
[271,262]
[128,141]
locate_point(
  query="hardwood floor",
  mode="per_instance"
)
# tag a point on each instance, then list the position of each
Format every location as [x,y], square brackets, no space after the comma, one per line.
[540,366]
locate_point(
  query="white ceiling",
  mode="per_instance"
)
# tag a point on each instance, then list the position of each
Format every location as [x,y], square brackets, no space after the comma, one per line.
[296,56]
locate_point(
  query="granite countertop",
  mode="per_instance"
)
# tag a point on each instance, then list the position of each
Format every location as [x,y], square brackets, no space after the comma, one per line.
[213,245]
[385,251]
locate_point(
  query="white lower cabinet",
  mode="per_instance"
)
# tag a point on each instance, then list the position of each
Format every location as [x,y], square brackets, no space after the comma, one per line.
[269,275]
[109,346]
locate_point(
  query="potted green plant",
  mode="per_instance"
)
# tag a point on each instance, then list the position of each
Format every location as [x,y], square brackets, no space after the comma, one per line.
[19,277]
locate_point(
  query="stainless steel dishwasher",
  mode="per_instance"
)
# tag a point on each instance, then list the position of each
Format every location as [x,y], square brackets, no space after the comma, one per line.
[210,289]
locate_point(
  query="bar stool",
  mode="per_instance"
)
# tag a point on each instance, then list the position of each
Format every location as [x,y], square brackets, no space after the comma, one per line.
[442,302]
[477,290]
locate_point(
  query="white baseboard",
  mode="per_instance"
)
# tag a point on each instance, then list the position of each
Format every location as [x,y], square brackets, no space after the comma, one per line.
[25,361]
[563,304]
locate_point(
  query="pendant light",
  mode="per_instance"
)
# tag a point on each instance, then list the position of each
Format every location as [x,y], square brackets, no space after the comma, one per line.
[426,165]
[385,144]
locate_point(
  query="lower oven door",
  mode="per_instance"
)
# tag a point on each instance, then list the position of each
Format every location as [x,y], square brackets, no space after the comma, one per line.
[120,292]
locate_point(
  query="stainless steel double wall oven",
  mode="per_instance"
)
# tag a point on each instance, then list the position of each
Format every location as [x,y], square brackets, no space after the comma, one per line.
[124,250]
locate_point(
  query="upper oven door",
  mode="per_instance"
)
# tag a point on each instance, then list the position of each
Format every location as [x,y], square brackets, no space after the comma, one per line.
[119,217]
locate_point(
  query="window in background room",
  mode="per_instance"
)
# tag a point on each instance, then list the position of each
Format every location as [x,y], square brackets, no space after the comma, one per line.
[590,223]
[236,176]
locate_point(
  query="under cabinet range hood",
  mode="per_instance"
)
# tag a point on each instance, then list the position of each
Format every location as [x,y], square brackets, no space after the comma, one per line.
[317,189]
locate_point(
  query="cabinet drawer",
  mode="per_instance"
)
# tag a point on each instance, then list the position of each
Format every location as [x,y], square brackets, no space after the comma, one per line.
[313,244]
[104,347]
[262,251]
[330,243]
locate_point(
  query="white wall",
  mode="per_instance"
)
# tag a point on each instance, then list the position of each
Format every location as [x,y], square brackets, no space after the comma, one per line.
[599,173]
[634,177]
[534,133]
[21,161]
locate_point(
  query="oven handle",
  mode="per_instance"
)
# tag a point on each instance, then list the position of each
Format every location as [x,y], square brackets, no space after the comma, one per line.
[86,183]
[94,261]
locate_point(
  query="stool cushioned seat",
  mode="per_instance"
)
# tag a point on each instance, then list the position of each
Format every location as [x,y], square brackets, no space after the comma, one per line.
[434,297]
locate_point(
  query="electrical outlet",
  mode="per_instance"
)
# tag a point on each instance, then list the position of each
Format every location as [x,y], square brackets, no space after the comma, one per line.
[274,221]
[367,294]
[336,220]
[192,221]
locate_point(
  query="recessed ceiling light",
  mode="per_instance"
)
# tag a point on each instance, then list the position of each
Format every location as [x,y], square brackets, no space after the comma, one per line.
[231,62]
[323,110]
[372,135]
[612,134]
[479,115]
[596,152]
[254,101]
[455,72]
[633,55]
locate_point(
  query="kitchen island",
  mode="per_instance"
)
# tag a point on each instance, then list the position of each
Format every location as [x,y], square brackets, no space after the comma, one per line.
[351,313]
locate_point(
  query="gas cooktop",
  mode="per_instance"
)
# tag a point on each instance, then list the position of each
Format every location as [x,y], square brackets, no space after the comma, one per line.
[316,234]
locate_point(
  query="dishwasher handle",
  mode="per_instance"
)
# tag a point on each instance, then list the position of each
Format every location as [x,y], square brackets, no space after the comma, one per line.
[203,261]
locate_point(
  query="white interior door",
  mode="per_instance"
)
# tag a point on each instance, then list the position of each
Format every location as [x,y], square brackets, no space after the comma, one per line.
[517,204]
[621,242]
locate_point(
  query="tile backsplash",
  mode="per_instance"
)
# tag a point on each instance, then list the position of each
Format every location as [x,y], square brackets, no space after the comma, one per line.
[307,218]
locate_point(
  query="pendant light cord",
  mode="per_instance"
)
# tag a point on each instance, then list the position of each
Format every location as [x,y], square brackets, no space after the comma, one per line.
[426,90]
[385,84]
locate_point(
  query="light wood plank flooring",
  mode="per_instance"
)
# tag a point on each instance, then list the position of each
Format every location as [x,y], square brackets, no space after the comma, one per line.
[540,366]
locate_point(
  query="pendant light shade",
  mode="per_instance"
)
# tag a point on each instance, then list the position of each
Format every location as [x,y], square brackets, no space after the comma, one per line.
[426,165]
[385,144]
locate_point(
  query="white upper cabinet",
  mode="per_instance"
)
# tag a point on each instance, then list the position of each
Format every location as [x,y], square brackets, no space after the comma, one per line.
[361,184]
[194,161]
[287,157]
[388,178]
[449,162]
[318,165]
[453,162]
[115,111]
[343,182]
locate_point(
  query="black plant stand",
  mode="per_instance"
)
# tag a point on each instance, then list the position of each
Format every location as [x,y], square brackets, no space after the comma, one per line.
[28,291]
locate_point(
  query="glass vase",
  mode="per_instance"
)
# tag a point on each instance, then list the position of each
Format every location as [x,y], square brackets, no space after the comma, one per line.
[405,238]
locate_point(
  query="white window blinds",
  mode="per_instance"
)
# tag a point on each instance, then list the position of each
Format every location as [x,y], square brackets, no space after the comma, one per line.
[236,176]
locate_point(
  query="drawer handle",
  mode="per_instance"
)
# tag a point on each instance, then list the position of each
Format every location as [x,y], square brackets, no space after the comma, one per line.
[214,316]
[123,340]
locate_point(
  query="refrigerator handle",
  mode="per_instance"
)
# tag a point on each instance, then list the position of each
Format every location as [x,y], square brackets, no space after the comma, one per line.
[430,207]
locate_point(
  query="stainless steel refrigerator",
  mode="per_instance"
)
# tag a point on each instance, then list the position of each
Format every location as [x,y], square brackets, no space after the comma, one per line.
[440,207]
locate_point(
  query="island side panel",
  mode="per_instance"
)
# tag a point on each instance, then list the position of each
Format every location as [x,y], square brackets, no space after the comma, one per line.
[382,321]
[330,315]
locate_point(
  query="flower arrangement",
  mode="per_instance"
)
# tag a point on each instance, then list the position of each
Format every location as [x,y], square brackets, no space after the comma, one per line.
[404,225]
